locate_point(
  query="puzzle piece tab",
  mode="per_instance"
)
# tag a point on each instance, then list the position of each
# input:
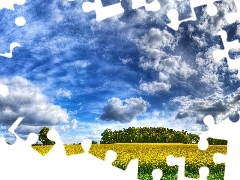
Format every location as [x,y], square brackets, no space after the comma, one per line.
[103,169]
[19,21]
[232,17]
[57,165]
[219,54]
[226,130]
[173,14]
[180,162]
[153,6]
[3,90]
[103,12]
[157,174]
[9,4]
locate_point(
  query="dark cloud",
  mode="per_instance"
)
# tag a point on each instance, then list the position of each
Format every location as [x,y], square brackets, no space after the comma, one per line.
[181,115]
[26,100]
[234,117]
[218,106]
[123,111]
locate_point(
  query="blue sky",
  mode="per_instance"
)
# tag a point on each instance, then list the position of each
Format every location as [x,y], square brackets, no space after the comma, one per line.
[82,76]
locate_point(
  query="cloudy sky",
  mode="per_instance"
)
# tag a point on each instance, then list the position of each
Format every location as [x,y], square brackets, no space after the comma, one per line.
[82,76]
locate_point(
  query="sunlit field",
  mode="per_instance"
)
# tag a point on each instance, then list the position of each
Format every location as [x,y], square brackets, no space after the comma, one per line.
[153,155]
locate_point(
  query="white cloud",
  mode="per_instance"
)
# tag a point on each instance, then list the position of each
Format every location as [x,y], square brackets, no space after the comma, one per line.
[123,111]
[217,105]
[169,67]
[26,100]
[154,86]
[72,126]
[126,61]
[158,39]
[200,41]
[212,24]
[64,93]
[80,64]
[162,76]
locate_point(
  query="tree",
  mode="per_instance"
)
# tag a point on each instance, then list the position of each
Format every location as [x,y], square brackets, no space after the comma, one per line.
[94,142]
[42,136]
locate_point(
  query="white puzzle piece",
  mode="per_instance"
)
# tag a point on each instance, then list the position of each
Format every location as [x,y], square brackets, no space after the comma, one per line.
[226,130]
[232,17]
[3,90]
[19,21]
[173,13]
[219,53]
[103,12]
[153,6]
[180,162]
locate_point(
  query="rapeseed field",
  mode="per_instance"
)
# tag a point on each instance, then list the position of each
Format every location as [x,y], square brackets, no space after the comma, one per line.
[153,155]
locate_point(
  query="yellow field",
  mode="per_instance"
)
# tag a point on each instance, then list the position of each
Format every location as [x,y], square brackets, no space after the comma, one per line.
[146,153]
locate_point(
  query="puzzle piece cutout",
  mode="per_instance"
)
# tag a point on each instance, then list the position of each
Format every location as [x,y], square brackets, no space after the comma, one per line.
[180,162]
[12,46]
[157,174]
[9,4]
[102,169]
[103,12]
[3,90]
[63,166]
[117,9]
[19,21]
[20,157]
[219,54]
[232,17]
[153,6]
[13,156]
[226,130]
[173,14]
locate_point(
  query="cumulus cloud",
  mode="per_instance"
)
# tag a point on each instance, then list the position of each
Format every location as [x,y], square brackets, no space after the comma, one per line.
[64,93]
[126,61]
[212,24]
[123,111]
[158,44]
[26,100]
[158,38]
[200,41]
[154,86]
[72,126]
[217,105]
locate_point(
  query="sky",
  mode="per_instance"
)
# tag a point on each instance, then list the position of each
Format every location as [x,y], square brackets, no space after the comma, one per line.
[82,76]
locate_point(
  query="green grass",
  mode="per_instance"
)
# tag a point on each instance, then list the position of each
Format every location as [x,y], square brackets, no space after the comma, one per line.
[216,172]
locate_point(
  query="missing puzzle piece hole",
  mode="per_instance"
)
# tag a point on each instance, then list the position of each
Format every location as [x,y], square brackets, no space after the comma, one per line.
[20,21]
[171,160]
[157,174]
[219,158]
[111,156]
[3,90]
[86,145]
[209,121]
[32,138]
[202,144]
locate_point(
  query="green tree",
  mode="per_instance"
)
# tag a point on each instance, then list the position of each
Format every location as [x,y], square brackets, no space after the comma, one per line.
[94,142]
[42,136]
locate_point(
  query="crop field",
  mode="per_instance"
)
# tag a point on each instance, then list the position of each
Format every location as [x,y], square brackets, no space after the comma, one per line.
[153,155]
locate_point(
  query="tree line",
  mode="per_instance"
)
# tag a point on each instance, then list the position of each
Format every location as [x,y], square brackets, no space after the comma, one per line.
[140,135]
[153,135]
